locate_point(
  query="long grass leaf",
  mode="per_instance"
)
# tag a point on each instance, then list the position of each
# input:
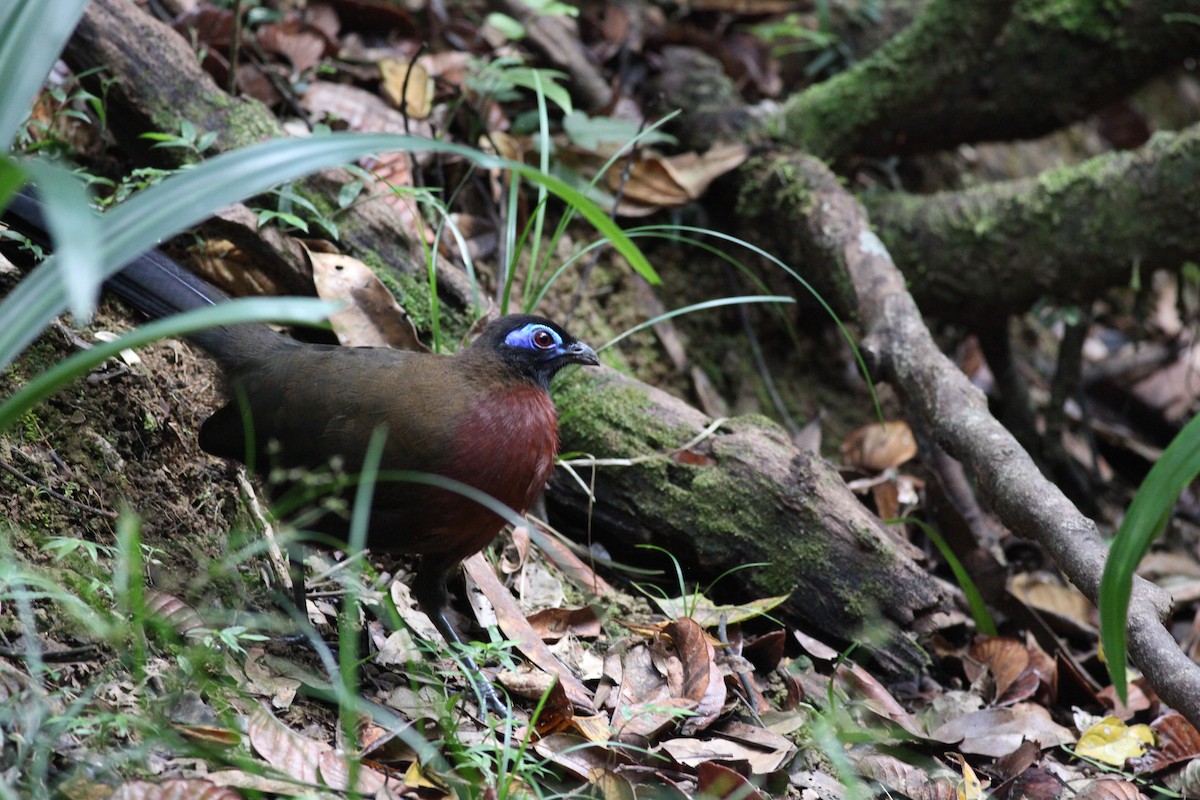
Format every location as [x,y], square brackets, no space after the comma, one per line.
[1145,519]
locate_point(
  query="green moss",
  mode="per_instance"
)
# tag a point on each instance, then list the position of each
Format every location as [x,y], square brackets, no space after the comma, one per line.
[1095,19]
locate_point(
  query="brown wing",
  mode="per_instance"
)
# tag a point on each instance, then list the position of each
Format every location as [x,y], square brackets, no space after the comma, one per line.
[316,403]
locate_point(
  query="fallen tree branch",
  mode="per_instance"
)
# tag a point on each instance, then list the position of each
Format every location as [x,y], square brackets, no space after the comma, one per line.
[836,118]
[1069,234]
[835,235]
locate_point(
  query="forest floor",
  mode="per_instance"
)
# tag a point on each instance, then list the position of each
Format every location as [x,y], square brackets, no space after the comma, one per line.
[195,682]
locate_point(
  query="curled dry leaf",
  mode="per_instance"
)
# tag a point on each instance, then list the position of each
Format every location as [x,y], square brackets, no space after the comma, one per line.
[516,551]
[879,446]
[1110,789]
[552,624]
[1178,741]
[1006,659]
[702,681]
[657,182]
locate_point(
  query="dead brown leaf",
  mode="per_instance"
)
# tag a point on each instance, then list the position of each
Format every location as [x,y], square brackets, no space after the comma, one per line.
[1178,741]
[516,628]
[408,85]
[692,673]
[999,731]
[879,446]
[283,748]
[655,182]
[552,624]
[182,789]
[903,778]
[371,316]
[302,44]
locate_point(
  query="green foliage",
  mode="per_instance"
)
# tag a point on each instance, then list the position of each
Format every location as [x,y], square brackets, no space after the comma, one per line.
[793,35]
[500,79]
[295,210]
[197,143]
[1144,521]
[979,609]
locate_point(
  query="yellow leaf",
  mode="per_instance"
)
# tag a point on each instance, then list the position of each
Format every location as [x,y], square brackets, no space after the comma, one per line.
[1112,741]
[970,787]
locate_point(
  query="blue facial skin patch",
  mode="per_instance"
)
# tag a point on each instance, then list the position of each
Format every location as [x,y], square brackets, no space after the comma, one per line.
[523,337]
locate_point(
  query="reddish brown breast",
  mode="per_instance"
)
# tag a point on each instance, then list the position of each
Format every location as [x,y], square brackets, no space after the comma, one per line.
[505,447]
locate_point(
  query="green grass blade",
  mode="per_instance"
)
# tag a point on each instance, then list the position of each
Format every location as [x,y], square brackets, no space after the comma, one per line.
[1147,516]
[707,304]
[74,227]
[32,34]
[979,610]
[190,197]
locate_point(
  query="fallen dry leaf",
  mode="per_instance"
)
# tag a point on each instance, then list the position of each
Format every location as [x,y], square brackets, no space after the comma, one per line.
[516,628]
[1178,741]
[1113,742]
[708,614]
[552,624]
[656,182]
[997,732]
[718,781]
[370,317]
[408,85]
[1110,789]
[182,789]
[879,446]
[289,752]
[907,780]
[697,678]
[1049,595]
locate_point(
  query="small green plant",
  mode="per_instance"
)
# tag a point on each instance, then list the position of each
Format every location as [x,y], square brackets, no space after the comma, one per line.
[197,143]
[233,638]
[66,101]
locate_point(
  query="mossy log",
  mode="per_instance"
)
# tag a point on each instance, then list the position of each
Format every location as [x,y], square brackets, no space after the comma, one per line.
[743,495]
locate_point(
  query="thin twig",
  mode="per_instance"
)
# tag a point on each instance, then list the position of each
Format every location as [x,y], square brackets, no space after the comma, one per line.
[62,498]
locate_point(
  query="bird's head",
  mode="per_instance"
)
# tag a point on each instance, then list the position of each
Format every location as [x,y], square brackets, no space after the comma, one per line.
[534,347]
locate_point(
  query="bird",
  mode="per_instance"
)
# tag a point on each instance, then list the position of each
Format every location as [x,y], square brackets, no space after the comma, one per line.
[482,417]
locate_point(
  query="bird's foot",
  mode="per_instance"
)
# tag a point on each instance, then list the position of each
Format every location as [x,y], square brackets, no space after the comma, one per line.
[485,692]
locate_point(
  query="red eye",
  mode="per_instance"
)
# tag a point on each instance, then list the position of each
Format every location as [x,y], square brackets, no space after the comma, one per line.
[544,339]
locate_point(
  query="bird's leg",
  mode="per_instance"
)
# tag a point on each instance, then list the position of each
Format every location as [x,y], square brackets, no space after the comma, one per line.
[429,589]
[296,571]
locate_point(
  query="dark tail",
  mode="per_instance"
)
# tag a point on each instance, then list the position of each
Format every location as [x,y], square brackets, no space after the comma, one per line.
[159,287]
